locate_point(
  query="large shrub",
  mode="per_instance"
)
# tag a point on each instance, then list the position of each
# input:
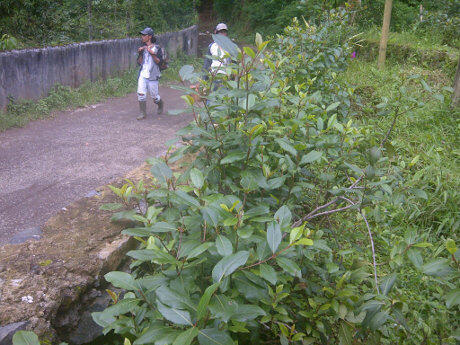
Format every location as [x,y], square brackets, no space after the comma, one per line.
[278,230]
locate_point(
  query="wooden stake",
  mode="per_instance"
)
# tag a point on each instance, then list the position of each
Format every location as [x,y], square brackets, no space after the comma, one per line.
[385,30]
[456,95]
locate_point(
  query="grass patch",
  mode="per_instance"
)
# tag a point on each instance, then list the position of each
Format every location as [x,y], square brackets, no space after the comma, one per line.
[416,41]
[21,112]
[425,141]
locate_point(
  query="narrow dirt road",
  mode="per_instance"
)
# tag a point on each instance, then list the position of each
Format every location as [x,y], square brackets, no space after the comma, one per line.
[50,163]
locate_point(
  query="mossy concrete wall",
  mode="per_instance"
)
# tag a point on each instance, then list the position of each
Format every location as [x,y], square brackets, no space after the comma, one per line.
[32,73]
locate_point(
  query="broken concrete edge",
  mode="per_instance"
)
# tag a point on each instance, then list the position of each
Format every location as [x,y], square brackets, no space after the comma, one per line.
[44,284]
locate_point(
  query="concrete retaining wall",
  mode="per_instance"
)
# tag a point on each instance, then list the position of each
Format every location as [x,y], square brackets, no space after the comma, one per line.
[32,73]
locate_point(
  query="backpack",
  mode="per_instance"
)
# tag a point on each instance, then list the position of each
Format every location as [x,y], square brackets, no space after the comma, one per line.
[162,55]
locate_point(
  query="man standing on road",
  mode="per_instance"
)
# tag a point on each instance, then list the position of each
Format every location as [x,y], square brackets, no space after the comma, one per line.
[219,65]
[149,74]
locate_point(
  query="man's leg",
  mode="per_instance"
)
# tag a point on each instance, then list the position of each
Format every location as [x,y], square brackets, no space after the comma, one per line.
[153,88]
[142,97]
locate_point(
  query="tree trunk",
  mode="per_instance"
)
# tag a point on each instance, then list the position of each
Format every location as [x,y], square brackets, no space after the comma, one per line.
[206,24]
[456,95]
[385,30]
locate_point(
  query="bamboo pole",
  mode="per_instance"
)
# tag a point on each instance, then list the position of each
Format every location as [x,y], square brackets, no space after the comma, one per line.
[384,36]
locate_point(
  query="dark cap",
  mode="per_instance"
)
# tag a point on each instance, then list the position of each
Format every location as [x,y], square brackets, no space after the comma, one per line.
[147,31]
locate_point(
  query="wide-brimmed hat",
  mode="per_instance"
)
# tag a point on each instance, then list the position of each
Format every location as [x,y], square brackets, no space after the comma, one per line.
[147,31]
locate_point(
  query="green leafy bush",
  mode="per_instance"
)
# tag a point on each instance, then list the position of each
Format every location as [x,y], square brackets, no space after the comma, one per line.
[278,230]
[8,42]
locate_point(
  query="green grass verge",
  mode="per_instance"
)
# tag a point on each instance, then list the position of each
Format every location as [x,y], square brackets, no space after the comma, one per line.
[416,41]
[425,141]
[19,113]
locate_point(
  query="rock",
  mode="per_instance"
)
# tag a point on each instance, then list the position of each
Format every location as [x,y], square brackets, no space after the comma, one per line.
[7,332]
[34,233]
[92,193]
[87,330]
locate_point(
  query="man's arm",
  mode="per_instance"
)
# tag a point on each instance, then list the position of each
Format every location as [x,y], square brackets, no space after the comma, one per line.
[152,53]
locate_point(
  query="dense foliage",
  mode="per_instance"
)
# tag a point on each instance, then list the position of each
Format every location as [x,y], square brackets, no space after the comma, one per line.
[48,22]
[283,225]
[440,18]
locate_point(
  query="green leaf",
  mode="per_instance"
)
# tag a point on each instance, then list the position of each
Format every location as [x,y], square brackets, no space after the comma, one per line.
[185,72]
[437,268]
[258,40]
[451,246]
[223,245]
[310,157]
[226,44]
[177,316]
[379,319]
[304,242]
[268,273]
[345,334]
[204,301]
[247,312]
[453,298]
[181,197]
[103,319]
[186,337]
[161,171]
[295,234]
[122,307]
[228,265]
[214,336]
[197,178]
[155,333]
[286,146]
[283,216]
[121,280]
[155,255]
[387,283]
[162,227]
[426,86]
[332,106]
[25,338]
[198,250]
[276,182]
[415,257]
[274,236]
[289,266]
[173,299]
[233,157]
[249,52]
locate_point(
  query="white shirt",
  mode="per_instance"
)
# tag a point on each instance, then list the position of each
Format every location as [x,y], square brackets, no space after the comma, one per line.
[147,63]
[216,64]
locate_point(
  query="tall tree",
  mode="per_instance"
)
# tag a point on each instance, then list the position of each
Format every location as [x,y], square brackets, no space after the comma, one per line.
[385,30]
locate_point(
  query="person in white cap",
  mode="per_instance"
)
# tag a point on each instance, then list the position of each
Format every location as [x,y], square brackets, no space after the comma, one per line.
[218,65]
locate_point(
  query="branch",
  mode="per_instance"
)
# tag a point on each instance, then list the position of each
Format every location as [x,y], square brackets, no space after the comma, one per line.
[373,252]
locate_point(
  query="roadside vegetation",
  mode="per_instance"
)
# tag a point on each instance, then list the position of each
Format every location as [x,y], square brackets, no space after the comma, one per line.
[329,220]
